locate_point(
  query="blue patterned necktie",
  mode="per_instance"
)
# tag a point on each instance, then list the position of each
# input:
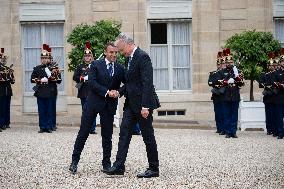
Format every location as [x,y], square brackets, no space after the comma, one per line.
[110,69]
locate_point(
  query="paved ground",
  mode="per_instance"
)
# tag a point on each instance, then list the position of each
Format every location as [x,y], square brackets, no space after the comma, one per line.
[188,159]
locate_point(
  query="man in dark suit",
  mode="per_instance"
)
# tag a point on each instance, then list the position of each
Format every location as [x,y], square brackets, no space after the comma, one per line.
[105,76]
[141,100]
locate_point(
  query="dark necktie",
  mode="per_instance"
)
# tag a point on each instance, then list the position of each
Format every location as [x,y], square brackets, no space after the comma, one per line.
[129,62]
[110,70]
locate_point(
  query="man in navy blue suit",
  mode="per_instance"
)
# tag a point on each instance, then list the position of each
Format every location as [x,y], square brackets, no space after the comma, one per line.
[105,77]
[140,101]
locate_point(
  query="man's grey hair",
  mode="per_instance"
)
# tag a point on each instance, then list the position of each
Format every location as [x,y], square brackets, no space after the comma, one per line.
[125,38]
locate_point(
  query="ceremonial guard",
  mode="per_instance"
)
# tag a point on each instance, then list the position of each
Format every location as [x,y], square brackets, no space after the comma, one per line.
[46,77]
[232,81]
[269,95]
[6,79]
[279,102]
[218,93]
[81,78]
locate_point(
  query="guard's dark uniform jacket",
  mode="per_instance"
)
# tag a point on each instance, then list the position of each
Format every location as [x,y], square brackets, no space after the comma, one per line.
[5,86]
[43,90]
[266,81]
[81,70]
[217,90]
[279,77]
[232,91]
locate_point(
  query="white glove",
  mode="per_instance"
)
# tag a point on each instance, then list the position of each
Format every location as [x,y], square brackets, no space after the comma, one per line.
[231,80]
[86,78]
[44,80]
[47,71]
[236,73]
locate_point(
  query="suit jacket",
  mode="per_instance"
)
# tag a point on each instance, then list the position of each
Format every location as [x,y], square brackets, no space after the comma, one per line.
[100,82]
[138,89]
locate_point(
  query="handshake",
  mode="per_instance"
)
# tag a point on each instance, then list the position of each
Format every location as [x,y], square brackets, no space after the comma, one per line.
[113,93]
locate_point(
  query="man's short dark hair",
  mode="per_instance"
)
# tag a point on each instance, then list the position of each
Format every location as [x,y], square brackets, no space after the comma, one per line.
[109,44]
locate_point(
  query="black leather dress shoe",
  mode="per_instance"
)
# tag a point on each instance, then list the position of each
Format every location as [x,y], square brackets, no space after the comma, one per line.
[148,174]
[73,168]
[114,171]
[3,127]
[269,133]
[48,131]
[227,136]
[8,126]
[105,169]
[222,133]
[41,131]
[280,137]
[234,136]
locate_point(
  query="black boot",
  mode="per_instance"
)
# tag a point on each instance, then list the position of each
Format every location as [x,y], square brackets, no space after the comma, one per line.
[73,167]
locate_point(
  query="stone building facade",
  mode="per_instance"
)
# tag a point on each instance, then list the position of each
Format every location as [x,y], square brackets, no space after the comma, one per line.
[182,37]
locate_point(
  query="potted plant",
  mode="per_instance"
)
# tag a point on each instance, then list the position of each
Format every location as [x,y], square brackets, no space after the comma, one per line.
[250,49]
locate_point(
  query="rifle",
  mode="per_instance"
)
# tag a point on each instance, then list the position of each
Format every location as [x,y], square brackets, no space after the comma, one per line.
[6,73]
[270,87]
[54,68]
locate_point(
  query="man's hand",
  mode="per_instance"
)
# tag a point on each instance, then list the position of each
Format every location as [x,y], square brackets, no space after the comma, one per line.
[113,94]
[145,112]
[86,78]
[231,81]
[44,80]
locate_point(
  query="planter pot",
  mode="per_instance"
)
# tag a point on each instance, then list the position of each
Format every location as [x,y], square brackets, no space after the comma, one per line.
[252,115]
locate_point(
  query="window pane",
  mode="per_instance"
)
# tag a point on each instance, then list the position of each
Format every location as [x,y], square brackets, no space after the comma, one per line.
[159,57]
[181,34]
[32,42]
[32,58]
[54,35]
[31,36]
[28,84]
[181,79]
[158,33]
[279,30]
[181,56]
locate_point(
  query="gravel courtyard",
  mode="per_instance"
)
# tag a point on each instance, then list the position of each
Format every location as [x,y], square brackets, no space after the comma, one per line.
[188,159]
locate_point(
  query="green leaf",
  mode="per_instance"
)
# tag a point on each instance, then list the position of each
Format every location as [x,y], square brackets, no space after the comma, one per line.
[98,34]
